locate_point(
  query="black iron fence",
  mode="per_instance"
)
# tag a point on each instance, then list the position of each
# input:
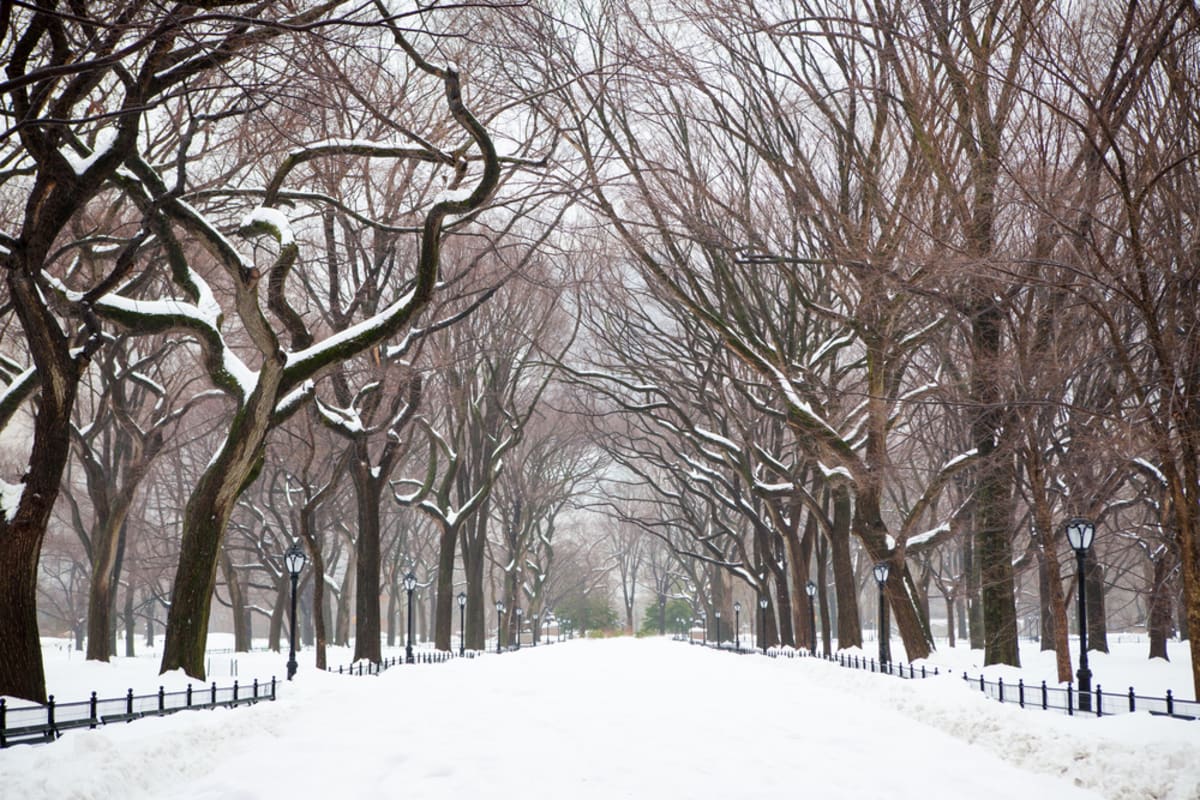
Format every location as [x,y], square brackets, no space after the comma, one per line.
[423,657]
[846,660]
[45,723]
[1066,700]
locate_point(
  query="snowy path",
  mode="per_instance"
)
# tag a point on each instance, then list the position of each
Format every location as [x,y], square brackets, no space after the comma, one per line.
[616,719]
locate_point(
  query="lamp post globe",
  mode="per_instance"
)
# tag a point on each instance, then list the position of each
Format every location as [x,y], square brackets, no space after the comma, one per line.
[462,629]
[762,627]
[881,575]
[1080,532]
[410,583]
[294,560]
[499,623]
[810,588]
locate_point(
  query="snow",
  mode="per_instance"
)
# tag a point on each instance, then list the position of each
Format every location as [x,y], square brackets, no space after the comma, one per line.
[601,719]
[273,219]
[10,496]
[105,138]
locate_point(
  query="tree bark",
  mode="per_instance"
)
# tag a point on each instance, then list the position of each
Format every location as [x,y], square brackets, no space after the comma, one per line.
[1159,622]
[367,593]
[849,626]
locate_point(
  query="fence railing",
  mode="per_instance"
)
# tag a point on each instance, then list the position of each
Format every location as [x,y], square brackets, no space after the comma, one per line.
[422,657]
[1066,699]
[846,660]
[45,723]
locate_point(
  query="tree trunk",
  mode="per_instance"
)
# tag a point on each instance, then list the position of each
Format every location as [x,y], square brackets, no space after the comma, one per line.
[444,617]
[22,529]
[367,593]
[950,619]
[129,623]
[237,603]
[870,529]
[102,594]
[1093,573]
[207,513]
[1159,622]
[849,627]
[477,616]
[283,585]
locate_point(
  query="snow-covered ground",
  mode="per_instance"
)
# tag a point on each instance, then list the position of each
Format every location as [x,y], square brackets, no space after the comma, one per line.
[604,719]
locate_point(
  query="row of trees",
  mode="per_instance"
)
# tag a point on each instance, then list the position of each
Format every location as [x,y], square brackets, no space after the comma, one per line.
[277,246]
[916,283]
[826,285]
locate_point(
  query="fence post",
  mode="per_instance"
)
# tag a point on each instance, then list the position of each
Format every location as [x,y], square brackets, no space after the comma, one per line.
[1099,700]
[3,721]
[1045,699]
[129,704]
[1021,692]
[982,688]
[1132,703]
[235,694]
[272,687]
[1170,704]
[50,717]
[1070,709]
[92,710]
[1000,684]
[214,693]
[161,701]
[256,688]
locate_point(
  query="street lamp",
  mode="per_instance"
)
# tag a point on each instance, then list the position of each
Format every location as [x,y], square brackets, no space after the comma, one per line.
[533,630]
[410,583]
[717,614]
[1080,533]
[704,628]
[881,576]
[499,622]
[462,628]
[520,615]
[294,559]
[811,588]
[737,626]
[762,629]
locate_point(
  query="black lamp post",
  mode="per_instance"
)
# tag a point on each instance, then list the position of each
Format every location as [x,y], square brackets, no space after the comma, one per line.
[1080,533]
[737,626]
[410,583]
[462,628]
[811,589]
[294,559]
[520,616]
[704,628]
[762,628]
[717,614]
[533,630]
[499,622]
[546,618]
[881,576]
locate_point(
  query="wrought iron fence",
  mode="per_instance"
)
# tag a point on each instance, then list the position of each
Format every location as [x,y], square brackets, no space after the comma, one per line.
[1065,699]
[45,723]
[422,657]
